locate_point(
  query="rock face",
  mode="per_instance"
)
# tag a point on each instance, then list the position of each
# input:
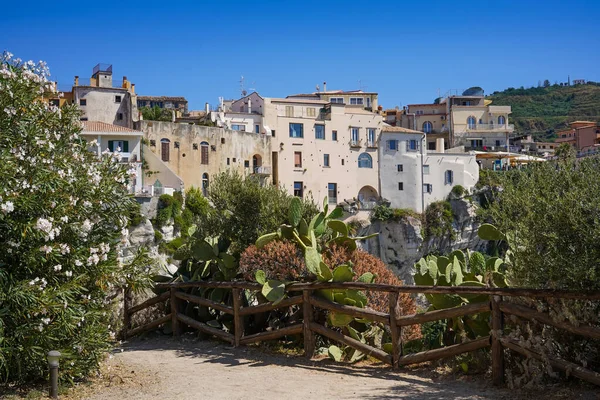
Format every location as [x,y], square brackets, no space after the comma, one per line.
[400,243]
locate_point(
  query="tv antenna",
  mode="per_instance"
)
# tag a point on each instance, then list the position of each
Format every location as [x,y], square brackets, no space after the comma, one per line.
[244,92]
[360,85]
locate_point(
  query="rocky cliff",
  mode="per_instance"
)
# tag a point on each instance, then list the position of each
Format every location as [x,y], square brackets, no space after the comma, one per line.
[401,243]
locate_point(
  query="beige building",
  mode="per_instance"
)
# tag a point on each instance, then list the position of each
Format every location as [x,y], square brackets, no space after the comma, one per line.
[195,153]
[324,148]
[413,177]
[367,100]
[430,119]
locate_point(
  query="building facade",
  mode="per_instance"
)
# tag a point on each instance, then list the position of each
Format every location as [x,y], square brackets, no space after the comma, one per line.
[179,104]
[413,177]
[430,119]
[584,136]
[245,114]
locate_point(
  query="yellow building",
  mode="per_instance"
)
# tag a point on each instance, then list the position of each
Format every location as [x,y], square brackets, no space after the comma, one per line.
[431,119]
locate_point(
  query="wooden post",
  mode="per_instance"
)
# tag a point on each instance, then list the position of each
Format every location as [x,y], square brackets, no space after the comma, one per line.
[395,329]
[174,309]
[309,336]
[238,323]
[126,314]
[497,348]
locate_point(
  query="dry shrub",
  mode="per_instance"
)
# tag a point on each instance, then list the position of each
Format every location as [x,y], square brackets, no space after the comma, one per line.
[280,260]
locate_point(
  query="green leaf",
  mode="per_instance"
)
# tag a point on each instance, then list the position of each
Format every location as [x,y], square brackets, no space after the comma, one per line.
[346,242]
[358,298]
[214,323]
[442,301]
[265,239]
[372,235]
[457,271]
[260,276]
[442,263]
[191,230]
[422,266]
[337,213]
[182,253]
[357,356]
[343,273]
[423,280]
[448,271]
[274,290]
[324,274]
[339,320]
[325,205]
[228,260]
[335,353]
[493,264]
[475,298]
[387,347]
[458,254]
[287,232]
[316,221]
[338,226]
[217,295]
[327,294]
[203,251]
[312,258]
[433,270]
[303,228]
[295,213]
[367,277]
[499,279]
[489,232]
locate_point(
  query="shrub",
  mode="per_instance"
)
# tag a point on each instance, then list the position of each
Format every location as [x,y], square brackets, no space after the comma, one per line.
[458,190]
[168,208]
[196,202]
[384,213]
[279,259]
[63,212]
[135,216]
[438,220]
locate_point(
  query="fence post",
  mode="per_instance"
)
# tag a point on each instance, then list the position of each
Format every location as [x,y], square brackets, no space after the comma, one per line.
[238,323]
[497,348]
[395,329]
[126,315]
[174,309]
[309,336]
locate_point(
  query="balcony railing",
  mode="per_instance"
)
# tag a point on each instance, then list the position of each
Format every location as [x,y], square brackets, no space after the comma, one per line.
[262,170]
[491,127]
[371,144]
[354,143]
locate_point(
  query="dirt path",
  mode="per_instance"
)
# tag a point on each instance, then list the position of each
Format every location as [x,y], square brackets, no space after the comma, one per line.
[163,368]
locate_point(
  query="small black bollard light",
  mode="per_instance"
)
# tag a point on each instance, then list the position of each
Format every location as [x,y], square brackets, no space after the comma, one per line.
[53,357]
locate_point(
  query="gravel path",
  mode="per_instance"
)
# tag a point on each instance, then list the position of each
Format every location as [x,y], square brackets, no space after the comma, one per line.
[163,368]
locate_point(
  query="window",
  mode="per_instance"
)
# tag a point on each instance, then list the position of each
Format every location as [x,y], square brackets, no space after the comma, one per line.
[237,127]
[204,153]
[392,145]
[289,111]
[256,128]
[365,161]
[296,130]
[334,135]
[153,142]
[310,111]
[400,185]
[164,149]
[342,161]
[120,117]
[222,140]
[371,137]
[412,145]
[176,145]
[425,169]
[228,161]
[471,121]
[246,163]
[82,102]
[427,188]
[337,100]
[120,145]
[332,193]
[355,136]
[431,146]
[273,132]
[501,120]
[298,159]
[449,177]
[320,132]
[298,189]
[205,184]
[497,143]
[427,127]
[83,119]
[400,168]
[369,102]
[195,146]
[419,112]
[357,101]
[117,99]
[326,160]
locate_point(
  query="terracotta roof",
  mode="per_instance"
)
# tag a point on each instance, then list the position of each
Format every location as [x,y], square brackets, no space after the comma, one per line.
[161,98]
[299,101]
[97,126]
[398,129]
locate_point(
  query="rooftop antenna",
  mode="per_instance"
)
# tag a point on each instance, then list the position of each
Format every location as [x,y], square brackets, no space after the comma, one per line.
[244,92]
[253,89]
[360,85]
[318,88]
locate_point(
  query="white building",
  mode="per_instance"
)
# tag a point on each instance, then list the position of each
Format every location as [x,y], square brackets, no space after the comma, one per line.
[413,177]
[113,137]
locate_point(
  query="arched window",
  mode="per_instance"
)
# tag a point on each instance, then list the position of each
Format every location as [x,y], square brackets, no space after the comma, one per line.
[205,184]
[501,120]
[365,161]
[204,153]
[427,127]
[164,149]
[471,121]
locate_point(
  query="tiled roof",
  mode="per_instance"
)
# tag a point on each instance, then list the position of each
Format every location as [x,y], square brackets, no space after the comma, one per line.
[161,98]
[398,129]
[97,126]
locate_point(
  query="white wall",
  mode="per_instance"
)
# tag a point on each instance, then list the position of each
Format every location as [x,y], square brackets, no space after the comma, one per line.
[101,105]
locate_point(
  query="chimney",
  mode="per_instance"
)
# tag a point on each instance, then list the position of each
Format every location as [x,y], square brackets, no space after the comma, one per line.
[133,88]
[206,108]
[439,145]
[249,106]
[76,80]
[325,86]
[124,82]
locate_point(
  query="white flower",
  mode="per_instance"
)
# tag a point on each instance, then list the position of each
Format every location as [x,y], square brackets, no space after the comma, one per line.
[78,263]
[44,225]
[46,320]
[64,219]
[68,274]
[57,267]
[64,249]
[7,207]
[87,204]
[47,249]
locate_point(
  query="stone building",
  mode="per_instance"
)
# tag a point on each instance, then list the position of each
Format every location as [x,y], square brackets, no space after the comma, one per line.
[179,104]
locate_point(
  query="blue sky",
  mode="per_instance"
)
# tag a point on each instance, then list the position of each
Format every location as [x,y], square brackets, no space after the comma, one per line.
[406,53]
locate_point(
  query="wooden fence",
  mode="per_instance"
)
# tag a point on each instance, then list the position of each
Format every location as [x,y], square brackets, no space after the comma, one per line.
[393,318]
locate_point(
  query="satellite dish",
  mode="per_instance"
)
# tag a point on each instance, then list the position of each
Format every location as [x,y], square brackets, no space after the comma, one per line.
[318,88]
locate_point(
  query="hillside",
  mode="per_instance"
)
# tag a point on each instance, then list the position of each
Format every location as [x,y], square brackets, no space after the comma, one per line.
[541,111]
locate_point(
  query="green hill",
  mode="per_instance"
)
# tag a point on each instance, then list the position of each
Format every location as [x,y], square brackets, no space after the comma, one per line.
[541,111]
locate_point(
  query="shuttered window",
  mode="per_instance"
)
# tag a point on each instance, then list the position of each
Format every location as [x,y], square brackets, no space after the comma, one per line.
[298,159]
[204,153]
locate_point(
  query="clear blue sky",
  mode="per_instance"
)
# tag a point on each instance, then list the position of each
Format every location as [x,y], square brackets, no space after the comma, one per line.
[200,49]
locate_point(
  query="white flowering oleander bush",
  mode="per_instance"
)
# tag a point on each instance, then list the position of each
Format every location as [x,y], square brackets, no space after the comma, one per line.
[63,214]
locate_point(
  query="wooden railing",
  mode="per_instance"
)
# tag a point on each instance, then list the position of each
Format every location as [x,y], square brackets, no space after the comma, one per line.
[393,319]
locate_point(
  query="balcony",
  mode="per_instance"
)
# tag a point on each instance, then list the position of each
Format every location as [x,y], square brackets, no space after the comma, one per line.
[262,170]
[355,143]
[372,144]
[491,128]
